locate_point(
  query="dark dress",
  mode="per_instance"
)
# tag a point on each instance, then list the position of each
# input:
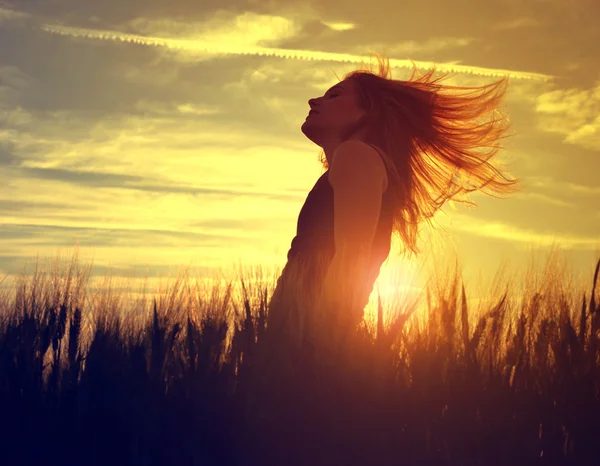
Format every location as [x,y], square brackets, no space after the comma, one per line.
[313,248]
[287,364]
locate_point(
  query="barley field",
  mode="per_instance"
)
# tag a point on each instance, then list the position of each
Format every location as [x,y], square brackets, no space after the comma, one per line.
[208,378]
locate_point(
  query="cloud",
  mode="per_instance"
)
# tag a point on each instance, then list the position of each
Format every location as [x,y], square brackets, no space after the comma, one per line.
[517,23]
[103,236]
[573,113]
[202,48]
[245,29]
[14,117]
[100,179]
[335,26]
[191,109]
[174,109]
[543,198]
[411,47]
[523,236]
[53,230]
[562,186]
[13,84]
[7,153]
[12,15]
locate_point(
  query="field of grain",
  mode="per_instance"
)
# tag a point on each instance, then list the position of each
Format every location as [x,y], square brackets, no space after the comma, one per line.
[190,379]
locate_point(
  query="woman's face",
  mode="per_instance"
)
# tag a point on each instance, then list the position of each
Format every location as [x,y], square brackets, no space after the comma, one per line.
[332,114]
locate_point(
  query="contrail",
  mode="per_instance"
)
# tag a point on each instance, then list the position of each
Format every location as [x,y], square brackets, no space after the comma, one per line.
[206,47]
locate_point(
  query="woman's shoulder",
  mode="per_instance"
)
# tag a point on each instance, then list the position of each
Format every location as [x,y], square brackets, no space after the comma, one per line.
[357,154]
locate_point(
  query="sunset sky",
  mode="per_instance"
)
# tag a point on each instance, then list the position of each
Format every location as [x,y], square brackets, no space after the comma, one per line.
[156,134]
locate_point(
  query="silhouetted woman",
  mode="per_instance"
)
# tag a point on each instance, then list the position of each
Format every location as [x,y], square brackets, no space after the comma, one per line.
[395,152]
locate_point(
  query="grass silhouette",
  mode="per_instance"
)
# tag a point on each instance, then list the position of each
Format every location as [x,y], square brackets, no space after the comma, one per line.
[214,380]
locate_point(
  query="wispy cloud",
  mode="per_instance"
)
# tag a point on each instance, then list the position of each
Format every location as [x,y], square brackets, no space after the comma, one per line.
[99,179]
[245,29]
[543,198]
[216,48]
[427,46]
[11,15]
[517,23]
[515,234]
[563,186]
[340,26]
[13,82]
[574,113]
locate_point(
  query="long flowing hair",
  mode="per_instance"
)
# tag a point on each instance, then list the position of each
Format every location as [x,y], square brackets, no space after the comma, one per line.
[437,139]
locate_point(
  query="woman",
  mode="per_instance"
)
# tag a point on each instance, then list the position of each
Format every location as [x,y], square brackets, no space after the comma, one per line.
[395,152]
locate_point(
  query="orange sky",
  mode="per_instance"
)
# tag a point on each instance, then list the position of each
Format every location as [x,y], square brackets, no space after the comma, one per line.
[159,134]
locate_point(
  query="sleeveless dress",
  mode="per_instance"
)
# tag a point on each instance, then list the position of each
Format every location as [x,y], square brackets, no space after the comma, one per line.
[285,355]
[311,251]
